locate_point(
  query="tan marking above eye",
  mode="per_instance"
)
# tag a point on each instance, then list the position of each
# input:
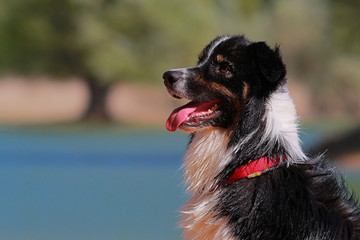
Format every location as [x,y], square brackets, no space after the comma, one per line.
[220,58]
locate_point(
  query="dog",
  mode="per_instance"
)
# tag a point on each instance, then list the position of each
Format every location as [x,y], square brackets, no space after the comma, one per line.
[246,173]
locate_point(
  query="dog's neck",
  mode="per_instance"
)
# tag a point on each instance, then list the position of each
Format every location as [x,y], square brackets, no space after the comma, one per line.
[209,152]
[206,156]
[281,124]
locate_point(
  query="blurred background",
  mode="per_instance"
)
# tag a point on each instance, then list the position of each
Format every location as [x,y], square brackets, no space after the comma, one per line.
[84,153]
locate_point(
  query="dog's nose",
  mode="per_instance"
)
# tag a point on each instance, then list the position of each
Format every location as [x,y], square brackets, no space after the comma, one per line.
[172,76]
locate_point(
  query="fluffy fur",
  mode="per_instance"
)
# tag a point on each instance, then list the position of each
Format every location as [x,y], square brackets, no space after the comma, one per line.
[256,117]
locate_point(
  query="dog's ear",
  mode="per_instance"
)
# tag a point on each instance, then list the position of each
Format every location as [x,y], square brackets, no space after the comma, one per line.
[268,63]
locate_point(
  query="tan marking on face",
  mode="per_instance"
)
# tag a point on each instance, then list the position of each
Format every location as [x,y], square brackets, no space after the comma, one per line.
[220,88]
[239,105]
[215,87]
[245,90]
[220,58]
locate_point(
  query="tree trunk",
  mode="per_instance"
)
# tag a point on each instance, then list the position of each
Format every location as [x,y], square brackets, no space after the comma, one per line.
[96,110]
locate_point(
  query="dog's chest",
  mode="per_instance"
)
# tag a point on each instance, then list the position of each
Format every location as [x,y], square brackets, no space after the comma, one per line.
[206,156]
[198,219]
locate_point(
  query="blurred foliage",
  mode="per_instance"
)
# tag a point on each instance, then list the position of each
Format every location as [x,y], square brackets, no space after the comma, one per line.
[38,36]
[112,40]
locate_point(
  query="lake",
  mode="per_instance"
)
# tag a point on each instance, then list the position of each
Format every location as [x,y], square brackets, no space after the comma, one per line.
[93,183]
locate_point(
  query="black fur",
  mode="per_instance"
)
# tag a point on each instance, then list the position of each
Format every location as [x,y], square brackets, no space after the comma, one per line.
[302,201]
[306,200]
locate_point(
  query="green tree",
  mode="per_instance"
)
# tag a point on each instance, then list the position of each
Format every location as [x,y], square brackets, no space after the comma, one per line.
[104,41]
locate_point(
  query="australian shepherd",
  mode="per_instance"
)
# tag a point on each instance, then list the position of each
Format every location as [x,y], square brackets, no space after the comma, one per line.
[244,167]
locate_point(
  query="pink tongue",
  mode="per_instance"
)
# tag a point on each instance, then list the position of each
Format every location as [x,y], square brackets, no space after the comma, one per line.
[179,115]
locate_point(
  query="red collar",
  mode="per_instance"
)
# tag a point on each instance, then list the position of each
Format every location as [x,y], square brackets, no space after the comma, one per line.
[255,168]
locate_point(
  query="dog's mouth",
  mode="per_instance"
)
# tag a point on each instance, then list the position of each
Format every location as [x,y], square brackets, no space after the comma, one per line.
[194,115]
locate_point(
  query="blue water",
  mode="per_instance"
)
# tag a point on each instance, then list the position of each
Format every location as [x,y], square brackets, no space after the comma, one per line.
[100,183]
[92,184]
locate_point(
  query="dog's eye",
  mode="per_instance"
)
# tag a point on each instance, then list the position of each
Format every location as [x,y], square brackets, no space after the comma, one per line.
[224,70]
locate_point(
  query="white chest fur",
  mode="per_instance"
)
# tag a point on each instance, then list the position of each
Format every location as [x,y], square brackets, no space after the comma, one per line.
[205,158]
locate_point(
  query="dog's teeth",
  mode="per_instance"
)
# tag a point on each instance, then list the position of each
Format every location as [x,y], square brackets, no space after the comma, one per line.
[215,107]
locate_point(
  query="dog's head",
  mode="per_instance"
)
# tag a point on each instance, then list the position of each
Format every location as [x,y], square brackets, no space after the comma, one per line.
[230,72]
